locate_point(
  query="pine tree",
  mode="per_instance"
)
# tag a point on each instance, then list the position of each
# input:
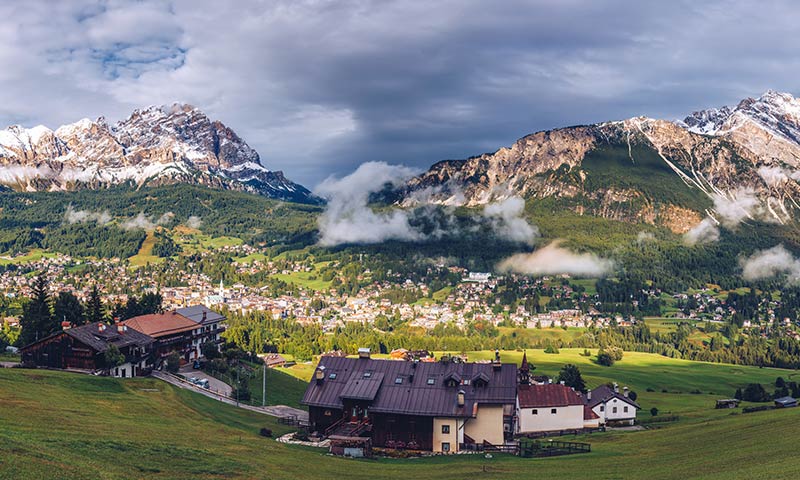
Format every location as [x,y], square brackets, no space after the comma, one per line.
[68,307]
[94,307]
[37,321]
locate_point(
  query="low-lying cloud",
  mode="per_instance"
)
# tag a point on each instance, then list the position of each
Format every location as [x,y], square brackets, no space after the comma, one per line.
[84,216]
[348,217]
[506,220]
[552,259]
[146,222]
[194,222]
[771,263]
[730,210]
[775,176]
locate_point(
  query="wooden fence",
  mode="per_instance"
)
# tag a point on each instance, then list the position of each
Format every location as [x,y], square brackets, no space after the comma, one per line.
[549,448]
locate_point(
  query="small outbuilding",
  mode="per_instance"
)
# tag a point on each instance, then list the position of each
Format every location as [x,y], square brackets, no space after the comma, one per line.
[785,402]
[727,403]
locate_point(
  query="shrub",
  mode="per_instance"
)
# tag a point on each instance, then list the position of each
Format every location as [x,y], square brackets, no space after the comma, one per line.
[173,362]
[551,349]
[754,392]
[265,432]
[633,395]
[654,411]
[605,359]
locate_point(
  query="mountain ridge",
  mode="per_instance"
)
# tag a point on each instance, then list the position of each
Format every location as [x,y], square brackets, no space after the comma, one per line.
[155,145]
[726,153]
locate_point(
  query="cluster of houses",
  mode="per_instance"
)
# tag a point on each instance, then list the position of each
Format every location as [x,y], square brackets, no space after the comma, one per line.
[448,406]
[144,342]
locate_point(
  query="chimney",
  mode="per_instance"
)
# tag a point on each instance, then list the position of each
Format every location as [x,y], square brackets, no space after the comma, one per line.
[562,382]
[65,325]
[616,387]
[101,327]
[204,315]
[625,391]
[589,395]
[120,328]
[319,375]
[460,398]
[363,353]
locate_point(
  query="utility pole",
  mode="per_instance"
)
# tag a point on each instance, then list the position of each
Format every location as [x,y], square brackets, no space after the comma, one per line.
[237,383]
[264,385]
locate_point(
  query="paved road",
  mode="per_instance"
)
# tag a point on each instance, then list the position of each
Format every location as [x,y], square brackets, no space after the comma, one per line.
[214,384]
[272,410]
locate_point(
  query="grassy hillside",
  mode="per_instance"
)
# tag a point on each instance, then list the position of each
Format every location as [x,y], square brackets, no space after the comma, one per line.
[88,427]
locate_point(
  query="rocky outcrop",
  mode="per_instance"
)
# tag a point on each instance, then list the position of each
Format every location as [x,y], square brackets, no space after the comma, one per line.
[153,146]
[754,146]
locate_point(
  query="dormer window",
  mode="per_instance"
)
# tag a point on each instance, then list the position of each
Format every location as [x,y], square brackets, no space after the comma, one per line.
[451,383]
[398,380]
[332,376]
[431,381]
[367,374]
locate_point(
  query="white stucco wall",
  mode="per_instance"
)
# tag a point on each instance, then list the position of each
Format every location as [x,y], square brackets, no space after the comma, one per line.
[565,418]
[486,425]
[607,412]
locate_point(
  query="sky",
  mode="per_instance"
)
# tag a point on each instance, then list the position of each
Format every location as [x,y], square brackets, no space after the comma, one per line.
[319,87]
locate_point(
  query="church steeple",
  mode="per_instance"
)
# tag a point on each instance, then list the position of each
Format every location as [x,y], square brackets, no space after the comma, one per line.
[524,371]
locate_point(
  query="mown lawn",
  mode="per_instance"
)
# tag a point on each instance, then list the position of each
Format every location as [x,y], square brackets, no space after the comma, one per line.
[59,425]
[672,381]
[145,254]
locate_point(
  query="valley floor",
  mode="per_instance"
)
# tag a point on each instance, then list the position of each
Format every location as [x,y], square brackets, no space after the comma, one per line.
[89,427]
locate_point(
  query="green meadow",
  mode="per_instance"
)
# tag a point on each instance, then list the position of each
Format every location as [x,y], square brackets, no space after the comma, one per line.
[72,426]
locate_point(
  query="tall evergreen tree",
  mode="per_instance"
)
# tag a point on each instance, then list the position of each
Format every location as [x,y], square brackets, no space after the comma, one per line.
[571,376]
[68,307]
[94,307]
[37,321]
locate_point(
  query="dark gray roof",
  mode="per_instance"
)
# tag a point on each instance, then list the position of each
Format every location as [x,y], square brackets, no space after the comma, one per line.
[361,388]
[403,387]
[785,400]
[195,314]
[91,335]
[604,393]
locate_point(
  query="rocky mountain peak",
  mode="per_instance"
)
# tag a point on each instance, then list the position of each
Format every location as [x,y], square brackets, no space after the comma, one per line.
[153,145]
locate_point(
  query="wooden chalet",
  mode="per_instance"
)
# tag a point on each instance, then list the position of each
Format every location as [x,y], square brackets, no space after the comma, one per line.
[435,406]
[84,348]
[210,326]
[172,333]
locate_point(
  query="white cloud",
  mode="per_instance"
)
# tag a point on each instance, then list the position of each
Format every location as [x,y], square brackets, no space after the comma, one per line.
[82,216]
[704,232]
[146,222]
[348,217]
[507,221]
[737,206]
[552,259]
[194,222]
[643,237]
[770,263]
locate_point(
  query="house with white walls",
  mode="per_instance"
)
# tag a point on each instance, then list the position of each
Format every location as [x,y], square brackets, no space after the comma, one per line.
[611,406]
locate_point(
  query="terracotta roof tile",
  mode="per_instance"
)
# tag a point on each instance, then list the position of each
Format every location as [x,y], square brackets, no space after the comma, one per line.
[547,395]
[161,324]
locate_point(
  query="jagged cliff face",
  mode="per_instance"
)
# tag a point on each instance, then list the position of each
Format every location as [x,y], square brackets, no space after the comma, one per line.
[664,172]
[154,146]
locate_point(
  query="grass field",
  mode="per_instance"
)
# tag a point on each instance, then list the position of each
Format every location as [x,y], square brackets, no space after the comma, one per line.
[32,256]
[282,388]
[310,280]
[643,371]
[666,324]
[145,254]
[80,427]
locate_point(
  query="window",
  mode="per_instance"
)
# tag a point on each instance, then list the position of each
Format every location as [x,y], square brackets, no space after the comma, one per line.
[535,411]
[465,381]
[445,429]
[602,408]
[553,411]
[398,380]
[614,410]
[328,413]
[332,376]
[445,446]
[367,374]
[431,381]
[625,409]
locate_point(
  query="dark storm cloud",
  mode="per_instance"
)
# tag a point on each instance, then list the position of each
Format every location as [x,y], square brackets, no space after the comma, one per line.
[319,87]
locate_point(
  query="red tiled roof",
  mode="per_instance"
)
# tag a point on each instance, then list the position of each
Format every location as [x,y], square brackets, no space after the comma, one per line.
[161,324]
[588,413]
[547,395]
